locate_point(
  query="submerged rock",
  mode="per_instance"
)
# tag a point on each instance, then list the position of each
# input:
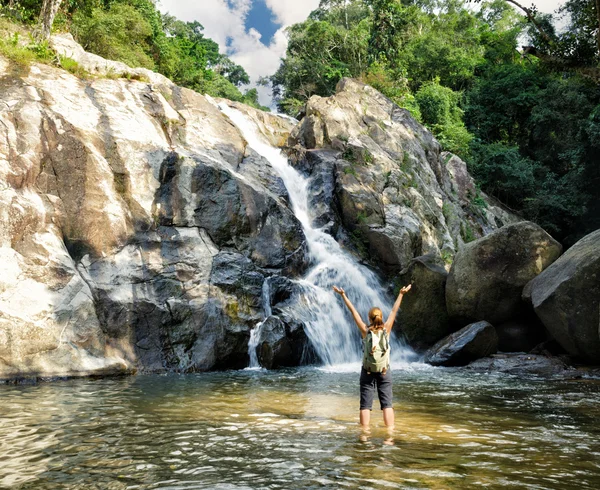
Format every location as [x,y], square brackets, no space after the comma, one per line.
[489,274]
[468,344]
[523,365]
[566,298]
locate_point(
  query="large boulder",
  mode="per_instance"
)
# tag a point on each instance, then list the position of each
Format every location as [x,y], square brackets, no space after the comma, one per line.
[566,298]
[468,344]
[394,191]
[489,274]
[282,342]
[423,318]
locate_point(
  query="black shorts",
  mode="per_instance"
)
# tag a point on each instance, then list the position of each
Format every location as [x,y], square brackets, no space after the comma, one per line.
[375,381]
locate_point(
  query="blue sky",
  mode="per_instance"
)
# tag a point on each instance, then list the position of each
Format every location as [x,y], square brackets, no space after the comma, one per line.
[261,18]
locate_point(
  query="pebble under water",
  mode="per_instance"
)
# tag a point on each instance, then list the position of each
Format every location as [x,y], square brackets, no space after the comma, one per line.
[297,429]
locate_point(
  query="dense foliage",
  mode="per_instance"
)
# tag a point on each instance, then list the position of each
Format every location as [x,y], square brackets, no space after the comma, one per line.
[136,33]
[527,121]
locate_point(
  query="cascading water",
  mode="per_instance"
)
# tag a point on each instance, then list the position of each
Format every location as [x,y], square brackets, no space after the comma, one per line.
[255,334]
[327,322]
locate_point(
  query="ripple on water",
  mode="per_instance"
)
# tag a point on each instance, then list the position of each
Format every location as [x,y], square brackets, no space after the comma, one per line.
[297,429]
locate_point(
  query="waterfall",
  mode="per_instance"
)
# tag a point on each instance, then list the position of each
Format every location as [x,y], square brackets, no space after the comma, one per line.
[255,333]
[327,322]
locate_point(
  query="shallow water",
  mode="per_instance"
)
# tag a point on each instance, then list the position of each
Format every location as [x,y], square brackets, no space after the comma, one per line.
[298,429]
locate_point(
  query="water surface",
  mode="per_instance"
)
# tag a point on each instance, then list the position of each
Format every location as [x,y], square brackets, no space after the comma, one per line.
[297,429]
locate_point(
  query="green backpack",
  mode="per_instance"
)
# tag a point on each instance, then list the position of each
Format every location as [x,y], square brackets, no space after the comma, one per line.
[376,356]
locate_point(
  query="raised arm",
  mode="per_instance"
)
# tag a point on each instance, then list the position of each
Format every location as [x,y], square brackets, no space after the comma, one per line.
[392,318]
[357,319]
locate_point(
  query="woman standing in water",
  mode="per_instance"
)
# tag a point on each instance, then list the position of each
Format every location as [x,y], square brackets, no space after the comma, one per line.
[375,372]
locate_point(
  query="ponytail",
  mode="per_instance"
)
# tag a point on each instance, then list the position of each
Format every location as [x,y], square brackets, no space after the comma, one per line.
[376,318]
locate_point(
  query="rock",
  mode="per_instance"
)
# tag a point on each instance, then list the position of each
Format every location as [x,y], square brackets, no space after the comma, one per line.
[393,192]
[566,298]
[423,318]
[283,344]
[321,188]
[135,224]
[468,344]
[489,274]
[66,46]
[282,291]
[237,275]
[522,365]
[517,336]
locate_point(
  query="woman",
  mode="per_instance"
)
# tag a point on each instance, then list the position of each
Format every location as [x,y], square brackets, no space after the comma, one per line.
[370,380]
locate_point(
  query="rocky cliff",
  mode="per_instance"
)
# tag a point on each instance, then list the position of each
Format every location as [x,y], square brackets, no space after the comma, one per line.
[137,228]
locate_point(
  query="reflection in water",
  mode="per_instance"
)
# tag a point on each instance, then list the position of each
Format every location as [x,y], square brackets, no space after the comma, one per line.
[298,429]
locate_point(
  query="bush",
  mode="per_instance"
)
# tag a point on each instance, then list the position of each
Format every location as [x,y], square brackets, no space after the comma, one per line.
[440,112]
[120,33]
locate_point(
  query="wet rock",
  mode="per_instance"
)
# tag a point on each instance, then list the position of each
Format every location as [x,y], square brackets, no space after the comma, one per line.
[282,290]
[235,274]
[523,365]
[468,344]
[321,190]
[275,348]
[423,318]
[488,275]
[566,298]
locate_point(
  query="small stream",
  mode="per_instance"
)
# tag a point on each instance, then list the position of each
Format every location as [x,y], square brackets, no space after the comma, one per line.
[297,429]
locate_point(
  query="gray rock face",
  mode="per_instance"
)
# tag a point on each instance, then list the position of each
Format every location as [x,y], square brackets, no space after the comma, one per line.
[423,318]
[136,227]
[566,298]
[395,191]
[488,275]
[467,345]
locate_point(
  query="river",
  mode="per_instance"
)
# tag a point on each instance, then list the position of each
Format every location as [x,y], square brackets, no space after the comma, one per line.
[297,429]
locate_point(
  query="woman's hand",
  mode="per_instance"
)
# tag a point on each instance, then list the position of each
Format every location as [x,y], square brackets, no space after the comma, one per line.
[340,291]
[405,289]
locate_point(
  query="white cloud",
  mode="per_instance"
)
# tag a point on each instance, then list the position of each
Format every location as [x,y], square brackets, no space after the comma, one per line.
[288,12]
[225,25]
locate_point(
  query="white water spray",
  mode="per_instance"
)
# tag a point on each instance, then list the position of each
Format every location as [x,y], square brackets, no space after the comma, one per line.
[327,322]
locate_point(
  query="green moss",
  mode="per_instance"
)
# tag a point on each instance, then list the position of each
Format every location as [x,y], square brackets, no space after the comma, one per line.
[447,211]
[232,309]
[467,233]
[349,155]
[359,240]
[350,170]
[73,67]
[447,257]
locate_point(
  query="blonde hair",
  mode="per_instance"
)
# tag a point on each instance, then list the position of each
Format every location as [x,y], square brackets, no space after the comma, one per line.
[376,318]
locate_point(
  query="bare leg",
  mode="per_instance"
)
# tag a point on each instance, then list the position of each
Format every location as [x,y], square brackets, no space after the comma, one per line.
[388,417]
[365,418]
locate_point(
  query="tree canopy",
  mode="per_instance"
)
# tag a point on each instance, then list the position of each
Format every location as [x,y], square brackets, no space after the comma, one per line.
[526,120]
